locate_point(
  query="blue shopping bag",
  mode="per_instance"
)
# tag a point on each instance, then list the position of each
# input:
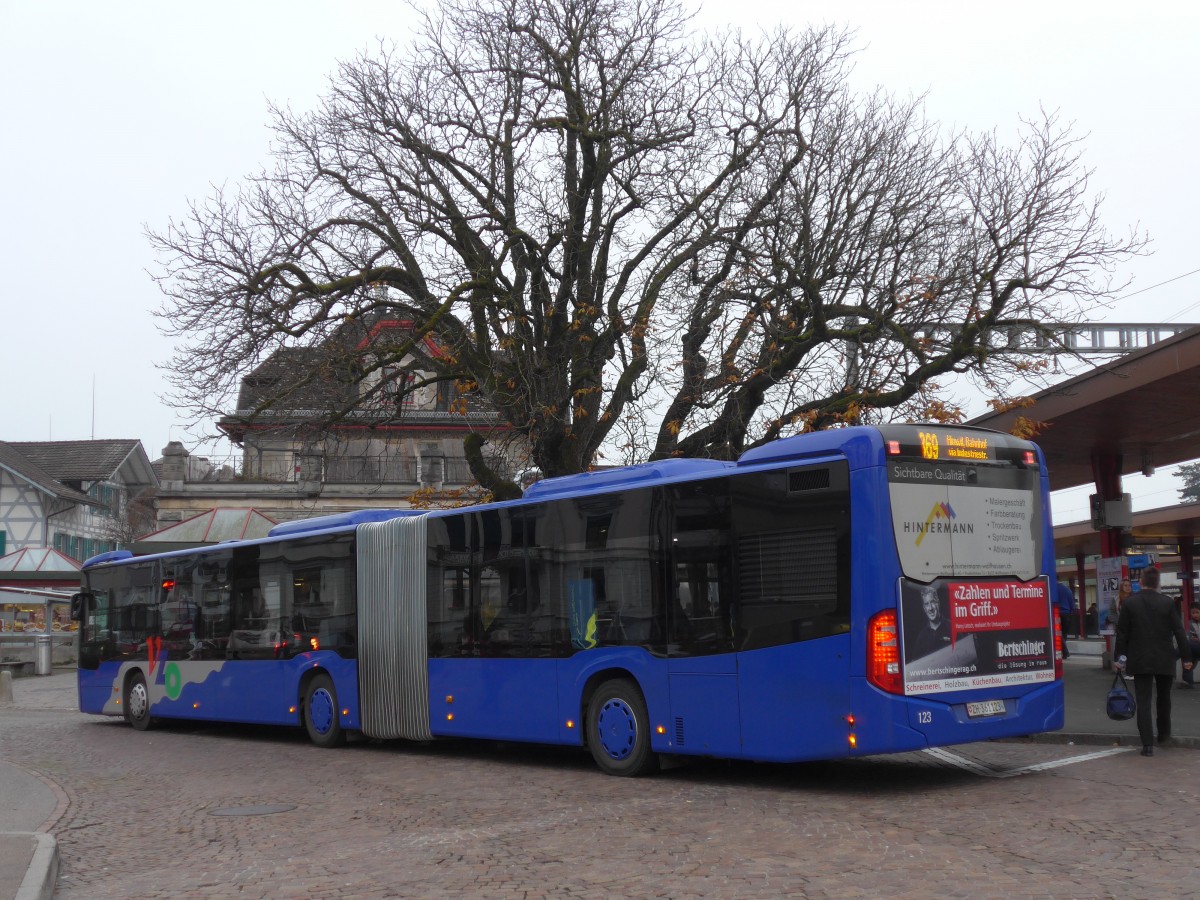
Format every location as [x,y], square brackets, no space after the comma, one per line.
[1121,704]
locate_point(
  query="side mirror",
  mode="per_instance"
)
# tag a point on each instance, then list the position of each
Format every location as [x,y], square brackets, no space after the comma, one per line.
[79,605]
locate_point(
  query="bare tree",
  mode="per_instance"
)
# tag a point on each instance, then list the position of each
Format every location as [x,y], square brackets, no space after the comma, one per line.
[890,259]
[623,232]
[135,517]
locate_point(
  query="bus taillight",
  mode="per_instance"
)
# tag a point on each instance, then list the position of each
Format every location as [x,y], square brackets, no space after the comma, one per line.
[1058,647]
[883,653]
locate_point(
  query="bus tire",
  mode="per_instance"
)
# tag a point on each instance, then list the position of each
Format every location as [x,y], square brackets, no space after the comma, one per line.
[321,717]
[618,729]
[137,702]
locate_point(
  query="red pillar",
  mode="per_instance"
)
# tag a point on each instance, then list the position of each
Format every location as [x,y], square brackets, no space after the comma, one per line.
[1106,469]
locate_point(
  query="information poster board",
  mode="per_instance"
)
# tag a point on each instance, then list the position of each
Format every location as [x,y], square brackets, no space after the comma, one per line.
[1109,572]
[955,520]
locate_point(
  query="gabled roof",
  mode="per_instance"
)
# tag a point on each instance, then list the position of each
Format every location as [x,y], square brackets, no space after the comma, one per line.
[286,366]
[214,526]
[15,462]
[37,559]
[392,327]
[305,385]
[90,460]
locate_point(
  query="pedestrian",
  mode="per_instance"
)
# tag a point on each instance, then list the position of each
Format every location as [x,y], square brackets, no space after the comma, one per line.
[1124,593]
[1066,607]
[1193,636]
[1145,629]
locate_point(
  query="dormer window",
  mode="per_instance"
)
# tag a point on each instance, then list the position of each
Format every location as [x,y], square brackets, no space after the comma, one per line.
[396,387]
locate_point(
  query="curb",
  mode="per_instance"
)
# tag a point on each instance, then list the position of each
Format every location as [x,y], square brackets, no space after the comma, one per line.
[41,875]
[1105,740]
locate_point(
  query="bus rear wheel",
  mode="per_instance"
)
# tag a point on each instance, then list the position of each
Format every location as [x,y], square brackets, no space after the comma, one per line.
[321,716]
[618,729]
[137,702]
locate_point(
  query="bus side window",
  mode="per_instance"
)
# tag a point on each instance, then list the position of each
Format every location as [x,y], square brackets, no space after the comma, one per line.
[501,585]
[255,632]
[550,530]
[792,555]
[133,613]
[699,620]
[321,612]
[451,622]
[209,579]
[179,614]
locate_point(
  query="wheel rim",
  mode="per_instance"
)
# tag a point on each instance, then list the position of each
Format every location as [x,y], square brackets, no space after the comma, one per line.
[139,701]
[320,710]
[617,726]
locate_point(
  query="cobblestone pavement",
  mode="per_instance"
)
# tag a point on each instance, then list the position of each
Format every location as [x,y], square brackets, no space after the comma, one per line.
[451,819]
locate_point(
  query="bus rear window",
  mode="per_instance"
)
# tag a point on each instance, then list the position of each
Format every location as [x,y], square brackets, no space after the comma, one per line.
[965,519]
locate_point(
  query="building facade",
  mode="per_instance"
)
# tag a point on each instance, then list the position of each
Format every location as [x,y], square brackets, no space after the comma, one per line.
[369,434]
[77,497]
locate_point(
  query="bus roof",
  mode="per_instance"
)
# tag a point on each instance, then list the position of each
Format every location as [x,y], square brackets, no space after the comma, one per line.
[662,470]
[338,521]
[860,443]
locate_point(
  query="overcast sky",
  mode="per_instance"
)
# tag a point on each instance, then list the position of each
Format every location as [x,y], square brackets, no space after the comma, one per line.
[114,115]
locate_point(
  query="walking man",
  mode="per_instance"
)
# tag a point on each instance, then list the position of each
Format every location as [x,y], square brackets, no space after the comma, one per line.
[1145,628]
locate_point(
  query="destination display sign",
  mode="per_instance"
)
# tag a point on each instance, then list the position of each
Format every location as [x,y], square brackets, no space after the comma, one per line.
[936,444]
[956,444]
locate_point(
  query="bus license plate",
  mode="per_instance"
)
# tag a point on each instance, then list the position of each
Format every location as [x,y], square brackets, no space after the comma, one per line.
[986,708]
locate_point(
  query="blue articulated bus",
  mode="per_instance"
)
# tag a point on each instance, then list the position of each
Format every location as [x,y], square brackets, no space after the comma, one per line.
[855,591]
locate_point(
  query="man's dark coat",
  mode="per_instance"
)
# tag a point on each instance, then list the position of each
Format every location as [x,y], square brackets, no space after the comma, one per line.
[1145,627]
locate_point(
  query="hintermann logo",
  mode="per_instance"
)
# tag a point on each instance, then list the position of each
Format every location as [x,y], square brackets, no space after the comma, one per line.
[939,521]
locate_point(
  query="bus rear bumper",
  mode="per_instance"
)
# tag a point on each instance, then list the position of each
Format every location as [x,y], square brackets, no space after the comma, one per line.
[892,724]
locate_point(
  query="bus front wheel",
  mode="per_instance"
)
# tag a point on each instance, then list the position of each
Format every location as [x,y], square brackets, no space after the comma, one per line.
[137,702]
[321,717]
[618,729]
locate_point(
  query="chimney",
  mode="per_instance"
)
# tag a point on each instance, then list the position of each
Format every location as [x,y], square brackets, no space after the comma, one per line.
[174,465]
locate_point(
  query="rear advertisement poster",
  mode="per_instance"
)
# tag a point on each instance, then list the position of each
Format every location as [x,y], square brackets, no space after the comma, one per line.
[962,633]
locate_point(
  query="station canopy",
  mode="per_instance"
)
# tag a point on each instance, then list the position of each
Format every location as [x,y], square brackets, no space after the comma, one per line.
[1144,408]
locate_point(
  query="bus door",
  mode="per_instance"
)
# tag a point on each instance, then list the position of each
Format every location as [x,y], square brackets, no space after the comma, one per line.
[492,666]
[701,663]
